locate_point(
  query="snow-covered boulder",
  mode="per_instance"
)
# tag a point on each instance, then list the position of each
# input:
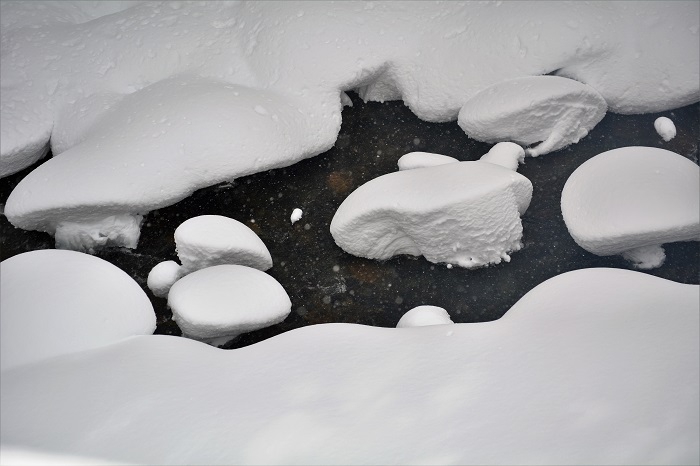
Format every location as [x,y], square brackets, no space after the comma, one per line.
[162,277]
[632,200]
[209,240]
[218,303]
[423,159]
[465,213]
[505,154]
[665,127]
[423,316]
[549,109]
[55,302]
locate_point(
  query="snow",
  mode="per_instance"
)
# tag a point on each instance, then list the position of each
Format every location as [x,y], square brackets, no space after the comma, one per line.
[296,215]
[632,200]
[218,303]
[505,154]
[597,366]
[466,213]
[665,127]
[162,277]
[157,100]
[421,316]
[551,109]
[208,240]
[423,159]
[57,302]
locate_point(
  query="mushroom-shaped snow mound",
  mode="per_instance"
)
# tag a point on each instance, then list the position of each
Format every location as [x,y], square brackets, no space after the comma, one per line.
[423,159]
[54,302]
[555,110]
[466,213]
[210,240]
[632,200]
[218,303]
[423,316]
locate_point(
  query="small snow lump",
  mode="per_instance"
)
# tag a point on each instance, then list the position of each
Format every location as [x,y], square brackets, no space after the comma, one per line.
[665,127]
[162,277]
[423,316]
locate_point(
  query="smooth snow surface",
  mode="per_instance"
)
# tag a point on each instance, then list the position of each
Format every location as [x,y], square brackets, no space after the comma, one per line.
[466,213]
[218,303]
[505,154]
[209,240]
[665,127]
[296,215]
[632,200]
[157,100]
[423,159]
[549,109]
[55,302]
[597,366]
[422,316]
[163,276]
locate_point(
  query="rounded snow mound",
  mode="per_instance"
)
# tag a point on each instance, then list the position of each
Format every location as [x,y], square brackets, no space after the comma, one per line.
[630,201]
[218,303]
[555,110]
[423,159]
[422,316]
[209,240]
[466,213]
[163,276]
[55,302]
[665,128]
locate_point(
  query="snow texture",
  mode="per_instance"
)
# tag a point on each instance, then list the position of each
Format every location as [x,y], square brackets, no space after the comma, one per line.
[162,277]
[156,100]
[505,154]
[466,213]
[209,240]
[296,215]
[422,316]
[423,159]
[55,302]
[665,127]
[551,109]
[597,366]
[632,200]
[218,303]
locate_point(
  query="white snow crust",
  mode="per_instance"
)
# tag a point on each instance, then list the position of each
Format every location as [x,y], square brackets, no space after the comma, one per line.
[55,302]
[630,201]
[296,215]
[162,277]
[422,316]
[665,127]
[423,159]
[218,303]
[156,100]
[597,366]
[208,240]
[466,213]
[505,154]
[549,109]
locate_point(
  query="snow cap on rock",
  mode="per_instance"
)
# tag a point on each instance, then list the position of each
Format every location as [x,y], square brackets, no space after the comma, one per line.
[665,127]
[423,159]
[163,276]
[421,316]
[505,154]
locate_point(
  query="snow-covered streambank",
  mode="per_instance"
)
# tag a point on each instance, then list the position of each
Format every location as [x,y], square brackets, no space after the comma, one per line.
[156,100]
[593,366]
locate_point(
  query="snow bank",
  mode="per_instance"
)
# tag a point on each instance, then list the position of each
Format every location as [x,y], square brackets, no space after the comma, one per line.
[209,240]
[632,200]
[551,109]
[665,127]
[423,159]
[157,100]
[56,302]
[422,316]
[466,213]
[595,366]
[162,277]
[505,154]
[218,303]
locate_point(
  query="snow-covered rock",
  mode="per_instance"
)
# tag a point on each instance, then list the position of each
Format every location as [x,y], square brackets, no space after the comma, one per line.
[632,200]
[549,109]
[422,316]
[466,213]
[423,159]
[296,215]
[218,303]
[505,154]
[150,98]
[209,240]
[596,366]
[665,127]
[162,277]
[55,302]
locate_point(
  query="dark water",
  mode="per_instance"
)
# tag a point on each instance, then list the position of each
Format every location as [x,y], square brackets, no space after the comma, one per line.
[327,285]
